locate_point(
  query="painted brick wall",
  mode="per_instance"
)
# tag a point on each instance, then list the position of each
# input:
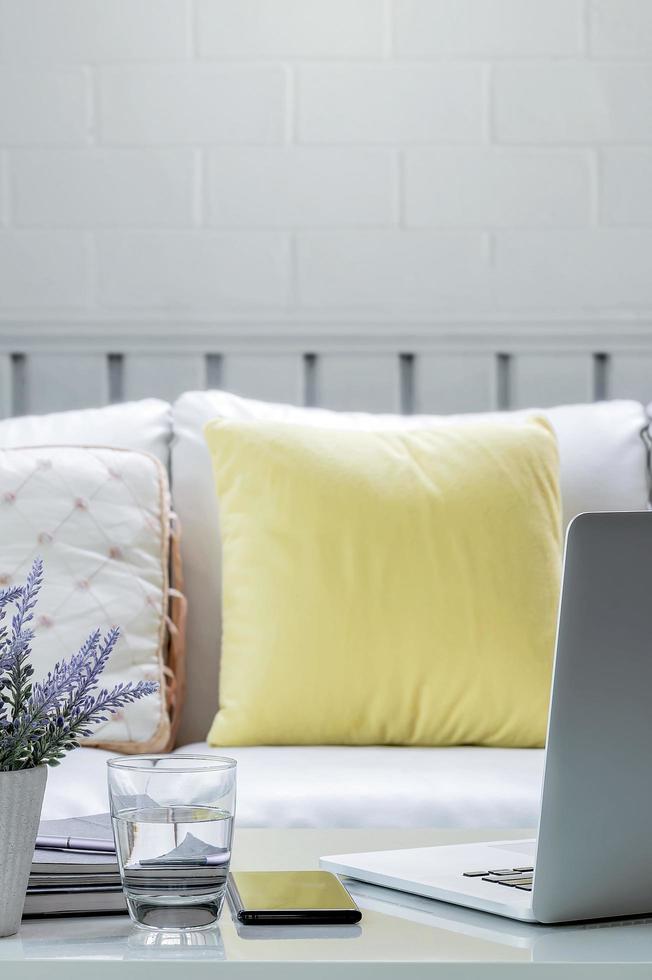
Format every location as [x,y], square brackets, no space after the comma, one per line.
[325,159]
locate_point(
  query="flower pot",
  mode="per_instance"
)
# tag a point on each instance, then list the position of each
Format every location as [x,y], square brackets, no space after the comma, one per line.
[21,798]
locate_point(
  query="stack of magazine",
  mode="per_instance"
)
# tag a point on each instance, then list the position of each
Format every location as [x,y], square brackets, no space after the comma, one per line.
[75,882]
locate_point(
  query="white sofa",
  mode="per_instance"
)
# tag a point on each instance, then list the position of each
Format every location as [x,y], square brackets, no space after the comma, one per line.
[603,466]
[345,786]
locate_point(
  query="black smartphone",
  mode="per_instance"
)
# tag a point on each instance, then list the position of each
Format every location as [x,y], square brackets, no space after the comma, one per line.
[290,898]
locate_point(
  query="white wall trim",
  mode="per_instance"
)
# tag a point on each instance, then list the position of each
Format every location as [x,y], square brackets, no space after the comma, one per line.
[313,335]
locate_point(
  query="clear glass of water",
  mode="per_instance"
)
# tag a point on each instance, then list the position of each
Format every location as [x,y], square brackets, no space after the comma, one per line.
[172,819]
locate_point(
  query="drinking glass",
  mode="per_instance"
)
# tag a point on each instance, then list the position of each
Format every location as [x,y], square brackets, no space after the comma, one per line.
[172,819]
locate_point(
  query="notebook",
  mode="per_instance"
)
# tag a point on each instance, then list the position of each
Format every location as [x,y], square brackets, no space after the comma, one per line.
[74,882]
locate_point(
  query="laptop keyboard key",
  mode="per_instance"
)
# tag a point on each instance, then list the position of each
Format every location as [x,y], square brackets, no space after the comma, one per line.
[513,879]
[510,877]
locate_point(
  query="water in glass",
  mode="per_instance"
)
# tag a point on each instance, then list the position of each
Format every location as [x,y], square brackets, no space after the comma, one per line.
[174,862]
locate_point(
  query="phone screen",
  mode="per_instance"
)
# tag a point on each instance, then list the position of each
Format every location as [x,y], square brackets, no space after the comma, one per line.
[296,897]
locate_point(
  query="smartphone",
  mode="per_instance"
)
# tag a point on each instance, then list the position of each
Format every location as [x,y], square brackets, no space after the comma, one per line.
[290,898]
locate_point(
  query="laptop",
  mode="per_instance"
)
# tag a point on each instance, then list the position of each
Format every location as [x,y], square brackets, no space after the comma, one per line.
[592,857]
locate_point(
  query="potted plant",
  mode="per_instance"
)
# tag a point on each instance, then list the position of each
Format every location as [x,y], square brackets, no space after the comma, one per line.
[39,723]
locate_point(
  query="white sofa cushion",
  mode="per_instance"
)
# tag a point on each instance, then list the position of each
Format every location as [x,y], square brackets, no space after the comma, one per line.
[144,425]
[603,467]
[344,786]
[99,519]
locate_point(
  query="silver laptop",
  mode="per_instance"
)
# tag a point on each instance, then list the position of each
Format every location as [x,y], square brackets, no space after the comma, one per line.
[592,857]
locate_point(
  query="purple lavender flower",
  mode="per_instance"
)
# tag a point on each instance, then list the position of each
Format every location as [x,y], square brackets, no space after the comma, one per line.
[41,721]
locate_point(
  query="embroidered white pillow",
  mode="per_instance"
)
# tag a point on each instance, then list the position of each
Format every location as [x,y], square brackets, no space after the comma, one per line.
[99,518]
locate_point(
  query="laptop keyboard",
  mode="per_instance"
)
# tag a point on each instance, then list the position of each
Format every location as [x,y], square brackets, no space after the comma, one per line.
[510,877]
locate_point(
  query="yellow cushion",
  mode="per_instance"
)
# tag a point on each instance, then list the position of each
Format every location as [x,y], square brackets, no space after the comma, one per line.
[387,587]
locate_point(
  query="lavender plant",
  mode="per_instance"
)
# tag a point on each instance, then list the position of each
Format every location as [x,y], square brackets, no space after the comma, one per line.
[41,721]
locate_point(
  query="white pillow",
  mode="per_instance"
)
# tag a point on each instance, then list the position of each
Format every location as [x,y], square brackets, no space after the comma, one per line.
[99,518]
[144,425]
[603,467]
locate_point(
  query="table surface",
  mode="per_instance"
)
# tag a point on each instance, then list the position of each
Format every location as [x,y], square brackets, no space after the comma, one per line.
[399,936]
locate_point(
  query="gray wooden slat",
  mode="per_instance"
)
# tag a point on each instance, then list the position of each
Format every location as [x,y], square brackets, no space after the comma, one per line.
[162,375]
[57,382]
[541,380]
[358,382]
[268,377]
[630,376]
[445,383]
[6,386]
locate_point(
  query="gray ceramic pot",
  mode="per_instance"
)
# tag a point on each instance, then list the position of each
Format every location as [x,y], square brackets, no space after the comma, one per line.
[21,798]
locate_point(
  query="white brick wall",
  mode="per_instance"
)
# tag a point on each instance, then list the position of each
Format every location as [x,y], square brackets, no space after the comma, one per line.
[580,102]
[326,159]
[191,271]
[487,188]
[488,28]
[626,180]
[591,270]
[99,187]
[392,104]
[291,28]
[391,270]
[44,105]
[191,104]
[42,270]
[621,28]
[300,186]
[41,31]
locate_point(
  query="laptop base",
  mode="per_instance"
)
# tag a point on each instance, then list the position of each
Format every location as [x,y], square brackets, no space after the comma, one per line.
[438,872]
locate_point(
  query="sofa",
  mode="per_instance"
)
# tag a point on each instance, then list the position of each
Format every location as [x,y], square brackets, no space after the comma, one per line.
[604,466]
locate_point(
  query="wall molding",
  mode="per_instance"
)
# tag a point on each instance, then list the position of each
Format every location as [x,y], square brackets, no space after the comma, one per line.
[217,336]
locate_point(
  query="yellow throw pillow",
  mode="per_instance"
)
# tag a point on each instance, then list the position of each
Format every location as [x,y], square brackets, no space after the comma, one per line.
[387,587]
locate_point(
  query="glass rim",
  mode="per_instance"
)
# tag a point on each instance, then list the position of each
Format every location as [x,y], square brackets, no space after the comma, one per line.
[195,763]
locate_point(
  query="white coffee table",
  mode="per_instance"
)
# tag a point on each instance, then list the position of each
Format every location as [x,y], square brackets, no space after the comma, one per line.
[399,937]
